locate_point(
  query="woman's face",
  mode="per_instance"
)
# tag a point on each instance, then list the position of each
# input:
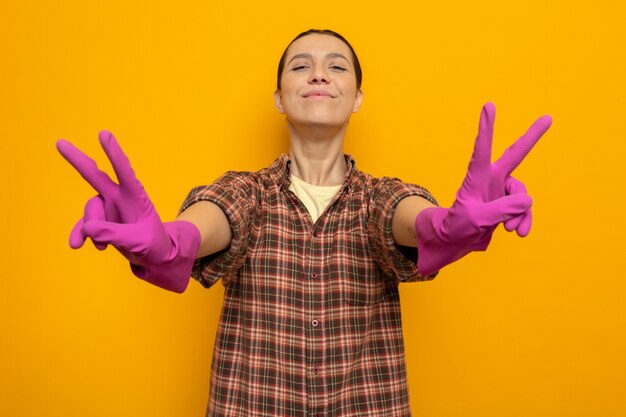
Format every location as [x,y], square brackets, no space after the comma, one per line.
[318,83]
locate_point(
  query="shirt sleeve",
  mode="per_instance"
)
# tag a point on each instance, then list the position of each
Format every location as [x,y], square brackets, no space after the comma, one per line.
[234,193]
[398,261]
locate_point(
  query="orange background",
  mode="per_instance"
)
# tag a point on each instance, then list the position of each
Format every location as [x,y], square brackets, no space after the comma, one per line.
[533,327]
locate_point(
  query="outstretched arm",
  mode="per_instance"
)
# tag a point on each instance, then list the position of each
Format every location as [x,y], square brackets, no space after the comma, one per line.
[122,215]
[488,196]
[403,222]
[213,226]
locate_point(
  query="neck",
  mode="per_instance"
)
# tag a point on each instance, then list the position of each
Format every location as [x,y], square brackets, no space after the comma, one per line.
[316,154]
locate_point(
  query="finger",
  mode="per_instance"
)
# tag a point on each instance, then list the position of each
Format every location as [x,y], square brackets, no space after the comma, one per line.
[524,227]
[77,237]
[514,186]
[481,157]
[501,210]
[515,154]
[120,162]
[514,223]
[85,166]
[124,237]
[94,210]
[522,222]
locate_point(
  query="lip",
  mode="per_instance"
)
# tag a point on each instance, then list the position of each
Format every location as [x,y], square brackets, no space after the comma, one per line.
[318,94]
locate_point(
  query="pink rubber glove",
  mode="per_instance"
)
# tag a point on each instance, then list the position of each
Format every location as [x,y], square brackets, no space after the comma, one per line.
[123,215]
[489,196]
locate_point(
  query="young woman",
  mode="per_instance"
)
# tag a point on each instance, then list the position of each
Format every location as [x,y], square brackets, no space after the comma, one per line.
[310,249]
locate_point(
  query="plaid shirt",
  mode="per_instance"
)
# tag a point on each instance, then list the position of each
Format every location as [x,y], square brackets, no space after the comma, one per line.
[310,324]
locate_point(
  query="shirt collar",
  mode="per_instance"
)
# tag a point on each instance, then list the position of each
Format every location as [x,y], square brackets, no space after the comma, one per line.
[280,171]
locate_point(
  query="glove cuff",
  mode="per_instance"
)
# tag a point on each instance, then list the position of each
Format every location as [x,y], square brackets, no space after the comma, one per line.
[434,249]
[174,272]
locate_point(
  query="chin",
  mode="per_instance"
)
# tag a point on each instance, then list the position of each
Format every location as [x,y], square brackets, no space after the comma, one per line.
[320,119]
[319,122]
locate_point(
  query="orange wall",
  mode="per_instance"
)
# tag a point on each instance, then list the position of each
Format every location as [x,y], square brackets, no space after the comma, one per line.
[534,327]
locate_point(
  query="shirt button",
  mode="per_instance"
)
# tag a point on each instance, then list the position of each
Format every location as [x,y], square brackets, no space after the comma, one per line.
[315,323]
[313,275]
[316,370]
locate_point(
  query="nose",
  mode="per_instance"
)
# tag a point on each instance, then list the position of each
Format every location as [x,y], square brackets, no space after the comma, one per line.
[318,76]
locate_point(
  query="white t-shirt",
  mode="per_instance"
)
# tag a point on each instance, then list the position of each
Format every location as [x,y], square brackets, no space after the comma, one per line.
[314,197]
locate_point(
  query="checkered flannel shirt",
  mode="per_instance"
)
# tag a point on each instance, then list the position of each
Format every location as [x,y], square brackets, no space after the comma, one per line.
[310,324]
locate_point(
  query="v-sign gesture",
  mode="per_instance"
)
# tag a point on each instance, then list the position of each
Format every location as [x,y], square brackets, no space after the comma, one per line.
[488,196]
[122,215]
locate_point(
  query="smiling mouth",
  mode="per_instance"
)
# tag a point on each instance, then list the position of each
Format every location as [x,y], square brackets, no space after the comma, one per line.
[318,95]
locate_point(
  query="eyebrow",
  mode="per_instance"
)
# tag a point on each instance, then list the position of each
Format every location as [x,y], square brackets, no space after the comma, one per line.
[328,55]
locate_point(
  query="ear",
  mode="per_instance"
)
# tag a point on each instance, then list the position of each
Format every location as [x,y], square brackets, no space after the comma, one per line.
[357,101]
[278,101]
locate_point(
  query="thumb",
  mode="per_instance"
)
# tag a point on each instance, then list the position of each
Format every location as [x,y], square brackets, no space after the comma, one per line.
[128,238]
[502,209]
